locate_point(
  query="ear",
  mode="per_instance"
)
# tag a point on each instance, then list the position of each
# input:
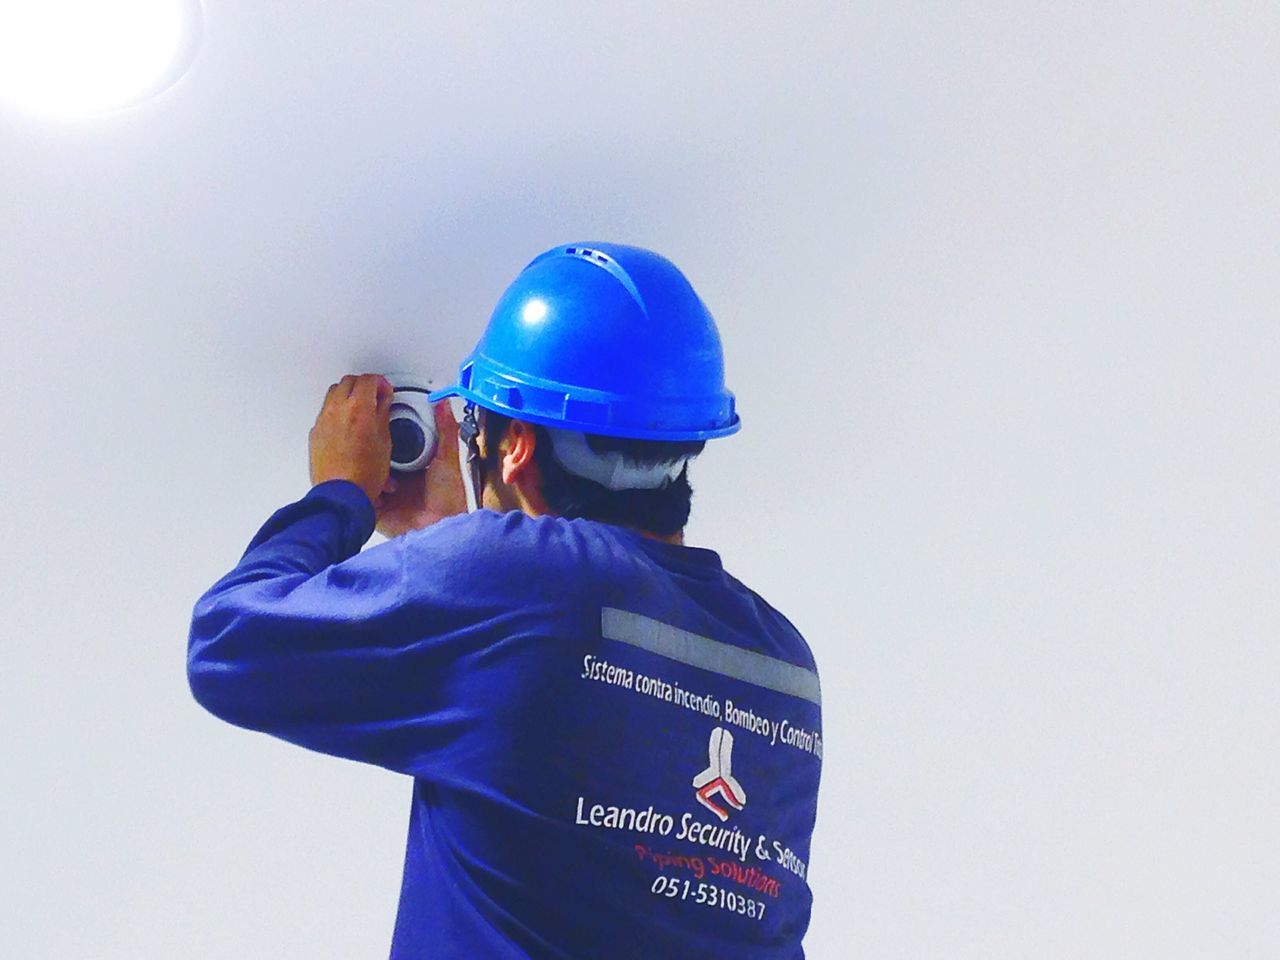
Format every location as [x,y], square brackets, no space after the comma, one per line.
[517,452]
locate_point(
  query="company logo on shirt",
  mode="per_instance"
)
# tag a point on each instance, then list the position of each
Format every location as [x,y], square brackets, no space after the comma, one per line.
[717,781]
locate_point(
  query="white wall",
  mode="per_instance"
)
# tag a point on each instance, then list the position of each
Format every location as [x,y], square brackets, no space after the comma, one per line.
[997,284]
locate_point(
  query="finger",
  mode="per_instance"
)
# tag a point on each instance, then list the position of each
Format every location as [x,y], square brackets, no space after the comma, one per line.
[385,392]
[330,398]
[365,391]
[347,385]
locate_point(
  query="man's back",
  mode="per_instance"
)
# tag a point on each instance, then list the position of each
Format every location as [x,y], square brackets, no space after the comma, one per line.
[640,771]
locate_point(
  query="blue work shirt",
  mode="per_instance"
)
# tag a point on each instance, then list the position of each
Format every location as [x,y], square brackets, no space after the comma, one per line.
[615,746]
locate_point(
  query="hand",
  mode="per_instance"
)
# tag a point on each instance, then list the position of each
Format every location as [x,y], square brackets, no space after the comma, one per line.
[411,501]
[351,439]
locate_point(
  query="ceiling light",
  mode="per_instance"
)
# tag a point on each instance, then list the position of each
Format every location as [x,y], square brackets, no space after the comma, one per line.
[75,58]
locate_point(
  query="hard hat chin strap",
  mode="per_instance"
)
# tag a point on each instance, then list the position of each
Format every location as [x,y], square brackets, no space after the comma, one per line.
[613,470]
[468,478]
[469,456]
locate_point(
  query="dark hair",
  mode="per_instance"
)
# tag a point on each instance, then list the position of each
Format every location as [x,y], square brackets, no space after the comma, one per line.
[664,511]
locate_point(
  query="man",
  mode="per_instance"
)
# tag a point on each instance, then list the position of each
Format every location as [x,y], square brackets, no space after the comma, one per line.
[615,745]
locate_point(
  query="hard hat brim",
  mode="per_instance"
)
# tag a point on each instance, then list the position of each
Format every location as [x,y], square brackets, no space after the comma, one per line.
[626,431]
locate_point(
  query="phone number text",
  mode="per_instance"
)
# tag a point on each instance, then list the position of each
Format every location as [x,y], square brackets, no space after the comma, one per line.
[709,895]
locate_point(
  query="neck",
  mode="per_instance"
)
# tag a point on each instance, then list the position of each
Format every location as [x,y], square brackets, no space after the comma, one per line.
[528,499]
[676,538]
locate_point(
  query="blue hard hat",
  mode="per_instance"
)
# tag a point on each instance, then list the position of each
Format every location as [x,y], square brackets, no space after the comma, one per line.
[605,339]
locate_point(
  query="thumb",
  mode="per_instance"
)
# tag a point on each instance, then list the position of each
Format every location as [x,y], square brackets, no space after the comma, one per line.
[447,429]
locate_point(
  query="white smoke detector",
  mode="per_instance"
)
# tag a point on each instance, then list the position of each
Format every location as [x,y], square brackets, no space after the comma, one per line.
[78,58]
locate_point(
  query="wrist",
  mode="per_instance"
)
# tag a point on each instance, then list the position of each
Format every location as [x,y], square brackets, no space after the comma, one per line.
[318,478]
[344,483]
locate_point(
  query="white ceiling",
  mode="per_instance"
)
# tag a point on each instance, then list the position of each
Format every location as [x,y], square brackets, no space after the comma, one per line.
[998,288]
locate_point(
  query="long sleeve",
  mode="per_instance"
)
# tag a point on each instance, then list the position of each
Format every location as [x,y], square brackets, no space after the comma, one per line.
[309,640]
